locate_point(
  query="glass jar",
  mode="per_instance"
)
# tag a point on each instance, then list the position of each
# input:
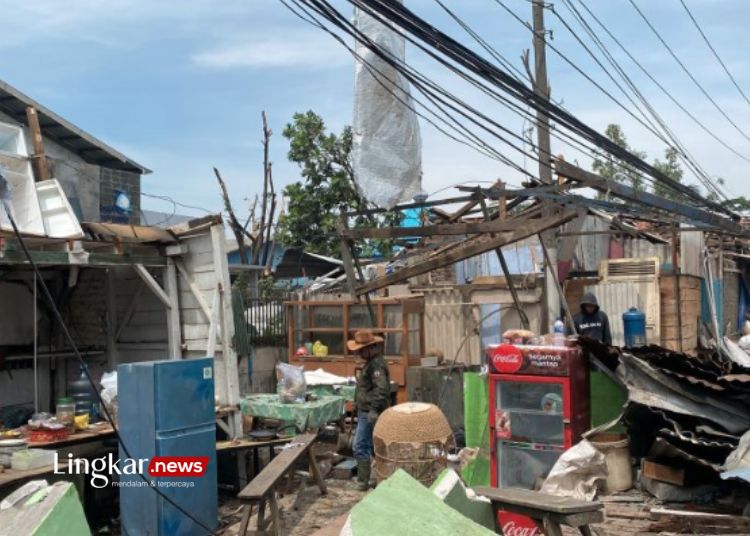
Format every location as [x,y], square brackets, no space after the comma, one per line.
[65,412]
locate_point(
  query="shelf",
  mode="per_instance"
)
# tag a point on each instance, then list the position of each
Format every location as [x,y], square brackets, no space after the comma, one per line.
[531,412]
[537,446]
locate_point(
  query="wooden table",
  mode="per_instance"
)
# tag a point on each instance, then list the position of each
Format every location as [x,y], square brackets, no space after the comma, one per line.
[548,511]
[81,443]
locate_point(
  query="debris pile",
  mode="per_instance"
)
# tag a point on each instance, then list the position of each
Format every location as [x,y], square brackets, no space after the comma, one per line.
[686,415]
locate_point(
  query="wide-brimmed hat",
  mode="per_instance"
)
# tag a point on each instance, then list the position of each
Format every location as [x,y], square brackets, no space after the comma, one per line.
[362,338]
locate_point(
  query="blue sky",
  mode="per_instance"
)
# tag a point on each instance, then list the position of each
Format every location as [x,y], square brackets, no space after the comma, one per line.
[179,86]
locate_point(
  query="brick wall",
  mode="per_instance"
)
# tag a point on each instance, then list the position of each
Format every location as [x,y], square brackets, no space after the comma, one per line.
[112,181]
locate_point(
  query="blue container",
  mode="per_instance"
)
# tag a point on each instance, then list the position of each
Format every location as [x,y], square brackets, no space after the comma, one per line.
[166,408]
[634,322]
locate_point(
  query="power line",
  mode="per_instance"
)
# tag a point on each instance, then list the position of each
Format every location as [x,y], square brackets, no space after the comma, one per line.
[713,50]
[687,71]
[396,13]
[660,85]
[680,148]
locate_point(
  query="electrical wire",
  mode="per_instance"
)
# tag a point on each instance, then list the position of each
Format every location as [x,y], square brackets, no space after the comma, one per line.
[687,71]
[391,12]
[678,146]
[714,52]
[659,85]
[69,339]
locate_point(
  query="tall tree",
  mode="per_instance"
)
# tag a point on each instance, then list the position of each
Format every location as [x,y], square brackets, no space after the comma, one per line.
[611,167]
[315,204]
[671,167]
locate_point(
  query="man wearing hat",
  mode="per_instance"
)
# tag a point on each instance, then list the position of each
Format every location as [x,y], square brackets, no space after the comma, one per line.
[372,397]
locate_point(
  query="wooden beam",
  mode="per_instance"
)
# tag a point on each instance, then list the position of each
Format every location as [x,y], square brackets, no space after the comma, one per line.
[174,328]
[529,228]
[111,307]
[194,290]
[129,311]
[213,326]
[41,167]
[152,284]
[627,193]
[445,229]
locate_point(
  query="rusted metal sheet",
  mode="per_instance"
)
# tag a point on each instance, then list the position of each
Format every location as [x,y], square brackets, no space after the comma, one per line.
[129,233]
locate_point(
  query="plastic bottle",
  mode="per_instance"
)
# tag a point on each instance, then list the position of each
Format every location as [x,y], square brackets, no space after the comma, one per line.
[558,333]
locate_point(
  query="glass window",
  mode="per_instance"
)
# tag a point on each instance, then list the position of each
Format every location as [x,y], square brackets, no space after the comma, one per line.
[334,341]
[328,316]
[393,343]
[520,466]
[359,316]
[529,412]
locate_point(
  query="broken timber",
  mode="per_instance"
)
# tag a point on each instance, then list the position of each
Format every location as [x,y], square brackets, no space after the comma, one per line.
[592,180]
[519,230]
[496,226]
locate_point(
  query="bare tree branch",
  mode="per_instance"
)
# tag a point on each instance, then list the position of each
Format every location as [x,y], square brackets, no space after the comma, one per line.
[237,229]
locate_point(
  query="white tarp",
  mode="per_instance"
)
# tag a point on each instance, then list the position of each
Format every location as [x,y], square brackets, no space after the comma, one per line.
[387,147]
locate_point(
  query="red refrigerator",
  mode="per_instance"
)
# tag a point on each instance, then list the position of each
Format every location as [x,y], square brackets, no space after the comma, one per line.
[539,406]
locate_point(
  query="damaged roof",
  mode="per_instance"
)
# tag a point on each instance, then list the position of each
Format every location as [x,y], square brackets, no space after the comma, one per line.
[65,133]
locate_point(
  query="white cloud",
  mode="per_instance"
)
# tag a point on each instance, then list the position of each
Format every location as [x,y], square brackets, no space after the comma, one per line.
[286,49]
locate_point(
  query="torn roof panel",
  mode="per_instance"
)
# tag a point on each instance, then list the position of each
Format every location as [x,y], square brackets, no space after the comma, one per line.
[129,233]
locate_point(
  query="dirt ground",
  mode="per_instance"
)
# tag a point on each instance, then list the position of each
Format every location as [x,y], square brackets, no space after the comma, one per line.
[303,511]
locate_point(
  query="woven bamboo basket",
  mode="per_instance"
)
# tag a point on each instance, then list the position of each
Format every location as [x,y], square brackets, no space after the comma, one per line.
[414,437]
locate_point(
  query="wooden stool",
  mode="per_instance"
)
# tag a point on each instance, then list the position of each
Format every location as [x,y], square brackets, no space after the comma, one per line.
[548,511]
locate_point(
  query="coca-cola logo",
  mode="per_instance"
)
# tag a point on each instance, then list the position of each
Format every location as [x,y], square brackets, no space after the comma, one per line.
[511,528]
[505,358]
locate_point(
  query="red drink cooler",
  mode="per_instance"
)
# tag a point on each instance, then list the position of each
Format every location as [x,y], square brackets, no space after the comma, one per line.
[539,407]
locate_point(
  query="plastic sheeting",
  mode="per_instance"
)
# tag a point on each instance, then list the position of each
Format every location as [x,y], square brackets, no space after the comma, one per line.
[387,146]
[578,473]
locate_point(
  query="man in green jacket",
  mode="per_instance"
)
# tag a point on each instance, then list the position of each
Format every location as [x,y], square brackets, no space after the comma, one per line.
[372,397]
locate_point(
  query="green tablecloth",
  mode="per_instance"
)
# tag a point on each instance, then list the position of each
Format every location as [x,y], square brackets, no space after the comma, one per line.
[347,391]
[304,415]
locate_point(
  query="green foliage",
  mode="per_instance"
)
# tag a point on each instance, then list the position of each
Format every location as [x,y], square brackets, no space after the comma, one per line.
[740,205]
[671,168]
[615,169]
[315,203]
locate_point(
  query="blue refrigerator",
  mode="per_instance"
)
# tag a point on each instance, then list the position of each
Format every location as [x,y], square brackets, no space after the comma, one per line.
[166,408]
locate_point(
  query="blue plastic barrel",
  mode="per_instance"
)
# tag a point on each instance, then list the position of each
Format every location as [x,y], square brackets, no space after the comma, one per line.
[634,322]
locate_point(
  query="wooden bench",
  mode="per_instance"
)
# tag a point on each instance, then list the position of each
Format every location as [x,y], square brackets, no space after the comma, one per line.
[548,511]
[262,489]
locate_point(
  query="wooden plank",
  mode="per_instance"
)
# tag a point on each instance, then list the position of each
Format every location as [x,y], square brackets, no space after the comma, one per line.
[174,333]
[129,312]
[41,166]
[529,228]
[663,473]
[445,229]
[197,294]
[225,329]
[212,327]
[262,484]
[153,285]
[536,500]
[111,324]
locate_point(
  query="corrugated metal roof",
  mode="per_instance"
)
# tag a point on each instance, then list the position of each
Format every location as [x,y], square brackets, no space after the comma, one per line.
[61,131]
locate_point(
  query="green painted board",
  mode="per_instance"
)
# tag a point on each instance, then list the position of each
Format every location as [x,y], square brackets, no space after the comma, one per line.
[477,427]
[58,513]
[449,488]
[607,400]
[401,505]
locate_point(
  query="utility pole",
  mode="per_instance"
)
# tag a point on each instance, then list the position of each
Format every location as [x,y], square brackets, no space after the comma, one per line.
[552,301]
[541,88]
